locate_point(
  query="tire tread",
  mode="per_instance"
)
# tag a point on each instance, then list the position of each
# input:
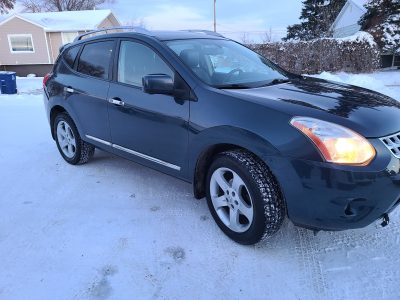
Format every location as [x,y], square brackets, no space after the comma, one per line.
[273,201]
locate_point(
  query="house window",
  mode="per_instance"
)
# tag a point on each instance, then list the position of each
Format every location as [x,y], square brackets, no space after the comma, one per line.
[68,37]
[21,43]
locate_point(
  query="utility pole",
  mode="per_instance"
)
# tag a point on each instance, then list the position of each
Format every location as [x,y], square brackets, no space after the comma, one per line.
[215,16]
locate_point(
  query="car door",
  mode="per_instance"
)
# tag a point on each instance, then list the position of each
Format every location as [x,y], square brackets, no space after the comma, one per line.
[151,129]
[87,89]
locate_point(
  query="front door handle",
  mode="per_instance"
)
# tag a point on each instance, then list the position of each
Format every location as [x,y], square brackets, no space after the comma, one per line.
[116,101]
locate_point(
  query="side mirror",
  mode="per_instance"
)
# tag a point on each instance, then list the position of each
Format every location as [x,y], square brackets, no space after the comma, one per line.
[158,84]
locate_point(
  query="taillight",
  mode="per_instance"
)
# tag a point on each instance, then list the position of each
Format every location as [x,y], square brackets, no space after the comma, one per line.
[46,78]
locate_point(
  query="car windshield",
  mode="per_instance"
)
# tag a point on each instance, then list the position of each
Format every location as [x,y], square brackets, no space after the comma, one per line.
[226,64]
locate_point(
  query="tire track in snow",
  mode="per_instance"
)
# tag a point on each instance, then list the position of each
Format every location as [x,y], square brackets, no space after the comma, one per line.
[362,263]
[311,275]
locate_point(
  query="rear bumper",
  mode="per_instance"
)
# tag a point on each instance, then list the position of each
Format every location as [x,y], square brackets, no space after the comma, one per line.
[46,105]
[326,196]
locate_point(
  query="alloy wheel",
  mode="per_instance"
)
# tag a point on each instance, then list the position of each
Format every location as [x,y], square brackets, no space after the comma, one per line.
[231,200]
[66,139]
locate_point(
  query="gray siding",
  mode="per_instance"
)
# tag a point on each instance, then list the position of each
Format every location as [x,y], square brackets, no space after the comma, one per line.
[19,26]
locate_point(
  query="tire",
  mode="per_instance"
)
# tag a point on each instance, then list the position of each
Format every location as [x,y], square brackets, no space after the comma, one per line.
[72,148]
[251,208]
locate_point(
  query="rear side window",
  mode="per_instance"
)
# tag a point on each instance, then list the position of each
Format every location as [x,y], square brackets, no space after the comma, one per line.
[95,59]
[70,56]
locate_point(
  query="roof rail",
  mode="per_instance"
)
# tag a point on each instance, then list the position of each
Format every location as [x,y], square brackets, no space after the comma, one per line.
[105,30]
[208,32]
[62,47]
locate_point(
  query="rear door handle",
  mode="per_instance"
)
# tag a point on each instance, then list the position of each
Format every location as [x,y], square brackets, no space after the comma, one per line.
[116,101]
[69,90]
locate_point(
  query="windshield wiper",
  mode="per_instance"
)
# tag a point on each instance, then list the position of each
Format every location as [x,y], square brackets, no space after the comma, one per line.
[277,81]
[237,86]
[233,86]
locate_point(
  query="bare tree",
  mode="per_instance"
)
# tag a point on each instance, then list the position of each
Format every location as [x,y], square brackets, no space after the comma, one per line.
[61,5]
[5,5]
[245,39]
[267,37]
[136,22]
[32,6]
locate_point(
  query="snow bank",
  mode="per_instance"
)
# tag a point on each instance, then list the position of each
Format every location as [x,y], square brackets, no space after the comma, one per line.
[29,85]
[387,83]
[358,37]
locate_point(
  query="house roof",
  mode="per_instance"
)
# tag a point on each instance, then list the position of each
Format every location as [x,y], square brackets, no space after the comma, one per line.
[65,20]
[358,3]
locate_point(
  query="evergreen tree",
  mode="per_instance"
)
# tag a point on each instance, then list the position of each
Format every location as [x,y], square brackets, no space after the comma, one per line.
[5,5]
[382,20]
[317,17]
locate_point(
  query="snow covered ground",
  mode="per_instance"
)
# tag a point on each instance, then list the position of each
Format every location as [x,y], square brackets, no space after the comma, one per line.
[112,229]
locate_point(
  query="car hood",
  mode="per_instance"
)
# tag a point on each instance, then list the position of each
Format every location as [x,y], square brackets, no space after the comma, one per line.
[367,112]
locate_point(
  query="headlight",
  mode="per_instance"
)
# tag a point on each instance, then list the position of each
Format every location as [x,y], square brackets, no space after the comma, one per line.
[336,143]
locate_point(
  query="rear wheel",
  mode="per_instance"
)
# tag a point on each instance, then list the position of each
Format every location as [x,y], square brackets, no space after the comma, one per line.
[244,197]
[72,148]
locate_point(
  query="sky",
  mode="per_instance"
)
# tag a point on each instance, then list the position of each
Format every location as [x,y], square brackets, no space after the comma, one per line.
[252,20]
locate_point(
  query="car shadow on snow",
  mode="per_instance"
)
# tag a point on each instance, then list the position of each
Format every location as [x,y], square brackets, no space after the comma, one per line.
[289,235]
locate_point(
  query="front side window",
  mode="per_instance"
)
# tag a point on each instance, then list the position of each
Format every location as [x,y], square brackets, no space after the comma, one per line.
[21,43]
[68,37]
[95,59]
[137,60]
[224,64]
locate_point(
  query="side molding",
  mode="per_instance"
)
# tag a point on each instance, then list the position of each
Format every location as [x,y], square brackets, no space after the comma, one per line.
[138,154]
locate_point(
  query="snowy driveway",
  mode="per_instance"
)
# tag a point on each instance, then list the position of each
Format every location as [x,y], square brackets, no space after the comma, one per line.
[113,229]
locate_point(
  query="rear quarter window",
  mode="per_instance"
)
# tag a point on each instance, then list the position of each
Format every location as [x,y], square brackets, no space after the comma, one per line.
[95,59]
[70,56]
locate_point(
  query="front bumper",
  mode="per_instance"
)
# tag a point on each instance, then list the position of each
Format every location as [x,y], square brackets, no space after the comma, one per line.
[326,196]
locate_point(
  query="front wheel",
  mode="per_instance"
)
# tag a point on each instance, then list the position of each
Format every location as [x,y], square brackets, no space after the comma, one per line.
[72,148]
[244,197]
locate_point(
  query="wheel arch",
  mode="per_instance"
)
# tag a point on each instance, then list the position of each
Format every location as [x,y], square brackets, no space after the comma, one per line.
[57,109]
[234,138]
[203,163]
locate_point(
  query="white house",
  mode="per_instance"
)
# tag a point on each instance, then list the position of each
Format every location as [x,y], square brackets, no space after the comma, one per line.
[346,23]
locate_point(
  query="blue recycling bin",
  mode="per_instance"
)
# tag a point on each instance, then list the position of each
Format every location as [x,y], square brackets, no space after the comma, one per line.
[8,82]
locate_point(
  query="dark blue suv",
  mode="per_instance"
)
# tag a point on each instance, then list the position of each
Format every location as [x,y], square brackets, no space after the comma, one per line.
[260,143]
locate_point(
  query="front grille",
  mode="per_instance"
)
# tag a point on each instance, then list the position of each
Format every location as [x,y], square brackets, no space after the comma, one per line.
[392,142]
